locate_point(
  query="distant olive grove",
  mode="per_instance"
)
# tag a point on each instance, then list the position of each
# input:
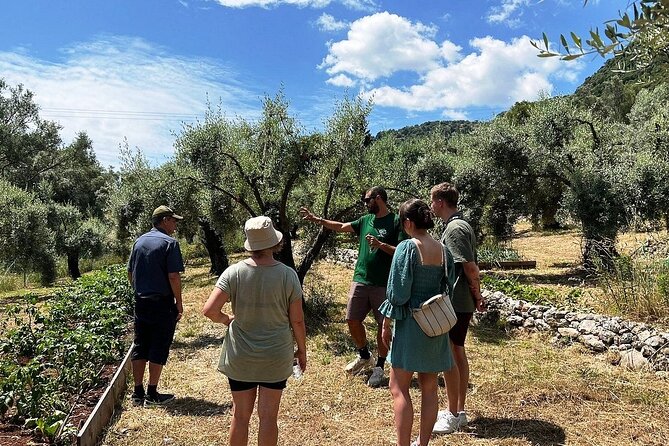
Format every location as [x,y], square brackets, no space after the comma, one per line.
[596,162]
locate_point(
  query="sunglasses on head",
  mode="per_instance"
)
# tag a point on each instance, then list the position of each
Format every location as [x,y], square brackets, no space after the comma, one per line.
[368,199]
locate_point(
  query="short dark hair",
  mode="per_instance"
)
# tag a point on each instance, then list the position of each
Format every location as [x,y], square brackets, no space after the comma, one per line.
[447,192]
[418,212]
[378,191]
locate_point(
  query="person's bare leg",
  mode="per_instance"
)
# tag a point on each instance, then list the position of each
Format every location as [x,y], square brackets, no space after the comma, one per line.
[242,409]
[154,373]
[460,357]
[381,346]
[358,333]
[268,412]
[402,407]
[452,381]
[429,405]
[138,369]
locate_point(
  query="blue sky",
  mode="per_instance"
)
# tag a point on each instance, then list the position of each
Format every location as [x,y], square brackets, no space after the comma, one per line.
[136,70]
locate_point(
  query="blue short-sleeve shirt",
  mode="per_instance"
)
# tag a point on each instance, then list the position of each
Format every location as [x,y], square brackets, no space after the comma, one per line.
[154,255]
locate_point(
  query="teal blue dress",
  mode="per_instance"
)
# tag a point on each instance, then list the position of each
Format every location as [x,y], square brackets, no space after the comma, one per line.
[410,284]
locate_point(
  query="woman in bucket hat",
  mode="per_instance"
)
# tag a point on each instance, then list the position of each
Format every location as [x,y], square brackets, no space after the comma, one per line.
[257,354]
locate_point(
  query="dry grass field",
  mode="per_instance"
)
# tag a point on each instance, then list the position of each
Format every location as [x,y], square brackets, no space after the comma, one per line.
[523,390]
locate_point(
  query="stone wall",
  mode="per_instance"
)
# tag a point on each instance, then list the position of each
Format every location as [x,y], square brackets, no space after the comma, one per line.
[639,345]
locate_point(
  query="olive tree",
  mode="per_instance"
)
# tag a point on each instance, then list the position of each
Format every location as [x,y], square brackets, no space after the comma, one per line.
[26,241]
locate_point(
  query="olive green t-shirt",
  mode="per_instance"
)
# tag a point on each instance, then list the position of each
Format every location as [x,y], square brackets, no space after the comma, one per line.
[373,265]
[259,343]
[460,240]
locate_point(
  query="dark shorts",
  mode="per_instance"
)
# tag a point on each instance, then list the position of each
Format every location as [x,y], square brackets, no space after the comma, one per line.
[155,323]
[363,298]
[459,331]
[240,386]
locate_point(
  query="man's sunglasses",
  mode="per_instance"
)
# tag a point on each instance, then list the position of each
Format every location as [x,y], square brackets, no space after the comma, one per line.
[368,199]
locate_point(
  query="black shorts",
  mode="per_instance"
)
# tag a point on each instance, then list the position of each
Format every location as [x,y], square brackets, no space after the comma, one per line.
[155,323]
[239,386]
[459,331]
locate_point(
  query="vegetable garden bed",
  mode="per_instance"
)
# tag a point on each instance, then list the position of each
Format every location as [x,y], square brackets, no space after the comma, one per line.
[56,358]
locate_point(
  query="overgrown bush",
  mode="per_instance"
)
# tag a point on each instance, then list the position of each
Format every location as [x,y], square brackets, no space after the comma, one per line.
[318,299]
[50,353]
[635,287]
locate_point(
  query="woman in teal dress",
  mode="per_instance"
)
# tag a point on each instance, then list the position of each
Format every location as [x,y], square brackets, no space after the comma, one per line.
[416,274]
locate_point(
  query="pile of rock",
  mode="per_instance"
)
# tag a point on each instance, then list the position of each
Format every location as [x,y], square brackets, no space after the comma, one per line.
[343,257]
[640,345]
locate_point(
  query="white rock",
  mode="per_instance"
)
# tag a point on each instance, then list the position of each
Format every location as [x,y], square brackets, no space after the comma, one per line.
[587,326]
[593,343]
[568,332]
[633,360]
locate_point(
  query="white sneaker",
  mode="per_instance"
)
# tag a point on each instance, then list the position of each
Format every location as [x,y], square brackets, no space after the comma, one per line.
[377,377]
[358,365]
[462,419]
[447,423]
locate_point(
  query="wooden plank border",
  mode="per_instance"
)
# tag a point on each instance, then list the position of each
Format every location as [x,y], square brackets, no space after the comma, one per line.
[519,264]
[104,409]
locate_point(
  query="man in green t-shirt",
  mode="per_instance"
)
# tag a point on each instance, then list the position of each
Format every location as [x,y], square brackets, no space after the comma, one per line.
[460,240]
[378,233]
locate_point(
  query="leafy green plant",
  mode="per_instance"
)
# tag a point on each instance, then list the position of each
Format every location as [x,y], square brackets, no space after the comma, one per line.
[516,290]
[492,252]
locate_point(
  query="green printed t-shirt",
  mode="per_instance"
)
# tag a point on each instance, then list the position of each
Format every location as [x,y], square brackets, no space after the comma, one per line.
[373,265]
[460,239]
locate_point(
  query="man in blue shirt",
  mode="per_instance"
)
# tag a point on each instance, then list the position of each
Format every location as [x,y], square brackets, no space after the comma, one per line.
[154,271]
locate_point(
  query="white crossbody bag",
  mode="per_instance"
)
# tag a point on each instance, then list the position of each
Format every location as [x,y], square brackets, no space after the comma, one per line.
[436,316]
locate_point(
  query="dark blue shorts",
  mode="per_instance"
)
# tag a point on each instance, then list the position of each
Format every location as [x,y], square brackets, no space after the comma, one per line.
[239,386]
[155,323]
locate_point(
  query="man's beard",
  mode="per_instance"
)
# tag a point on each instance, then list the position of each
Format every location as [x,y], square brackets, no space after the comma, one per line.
[373,209]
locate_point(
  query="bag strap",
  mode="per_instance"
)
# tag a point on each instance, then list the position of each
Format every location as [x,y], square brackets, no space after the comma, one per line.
[444,255]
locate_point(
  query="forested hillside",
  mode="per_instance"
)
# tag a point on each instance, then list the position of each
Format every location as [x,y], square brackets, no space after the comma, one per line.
[443,128]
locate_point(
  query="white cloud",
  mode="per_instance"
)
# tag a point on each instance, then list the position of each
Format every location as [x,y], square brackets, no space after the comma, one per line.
[494,74]
[382,44]
[326,22]
[123,87]
[455,115]
[503,13]
[450,51]
[341,80]
[361,5]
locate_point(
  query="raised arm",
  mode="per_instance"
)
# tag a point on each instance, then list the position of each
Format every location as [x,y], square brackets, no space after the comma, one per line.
[332,225]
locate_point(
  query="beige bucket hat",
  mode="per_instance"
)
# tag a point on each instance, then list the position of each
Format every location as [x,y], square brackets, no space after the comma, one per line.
[260,234]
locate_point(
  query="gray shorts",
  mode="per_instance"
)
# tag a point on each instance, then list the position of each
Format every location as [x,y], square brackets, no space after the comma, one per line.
[362,298]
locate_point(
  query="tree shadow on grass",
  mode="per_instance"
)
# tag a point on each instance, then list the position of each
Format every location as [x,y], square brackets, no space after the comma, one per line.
[195,342]
[536,432]
[189,406]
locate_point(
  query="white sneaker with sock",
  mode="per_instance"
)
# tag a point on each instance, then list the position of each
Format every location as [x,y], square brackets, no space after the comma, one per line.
[446,423]
[358,365]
